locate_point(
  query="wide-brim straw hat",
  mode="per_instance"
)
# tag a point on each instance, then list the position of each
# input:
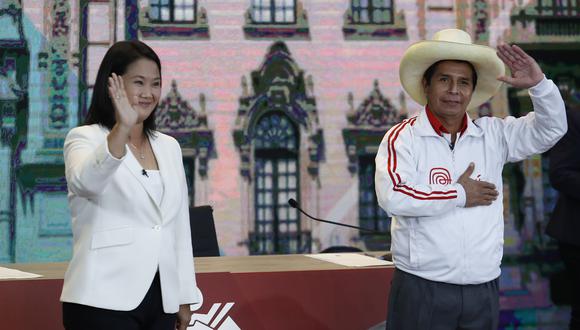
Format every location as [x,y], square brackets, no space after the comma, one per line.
[451,44]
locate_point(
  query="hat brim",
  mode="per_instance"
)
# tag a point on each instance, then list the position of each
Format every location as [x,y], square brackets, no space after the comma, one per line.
[420,56]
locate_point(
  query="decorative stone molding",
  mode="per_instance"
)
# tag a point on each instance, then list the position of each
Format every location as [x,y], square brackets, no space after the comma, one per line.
[368,124]
[177,118]
[278,85]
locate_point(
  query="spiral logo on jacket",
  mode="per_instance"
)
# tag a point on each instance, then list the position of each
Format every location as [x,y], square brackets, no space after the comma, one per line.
[439,175]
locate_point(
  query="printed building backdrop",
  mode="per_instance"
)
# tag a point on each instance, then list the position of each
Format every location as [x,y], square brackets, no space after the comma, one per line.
[271,100]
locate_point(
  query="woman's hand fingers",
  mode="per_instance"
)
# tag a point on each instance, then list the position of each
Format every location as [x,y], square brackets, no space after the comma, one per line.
[125,114]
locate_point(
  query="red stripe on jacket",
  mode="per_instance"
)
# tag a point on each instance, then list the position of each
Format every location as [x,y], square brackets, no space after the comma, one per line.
[395,177]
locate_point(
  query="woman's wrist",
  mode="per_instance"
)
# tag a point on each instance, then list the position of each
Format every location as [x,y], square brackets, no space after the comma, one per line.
[122,129]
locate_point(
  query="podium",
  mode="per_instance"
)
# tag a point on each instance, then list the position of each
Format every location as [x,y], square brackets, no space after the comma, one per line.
[252,292]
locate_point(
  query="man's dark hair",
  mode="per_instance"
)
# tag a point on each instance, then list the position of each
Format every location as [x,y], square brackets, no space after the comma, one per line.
[117,60]
[431,71]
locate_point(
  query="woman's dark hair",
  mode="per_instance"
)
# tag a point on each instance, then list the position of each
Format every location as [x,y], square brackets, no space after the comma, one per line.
[431,71]
[117,60]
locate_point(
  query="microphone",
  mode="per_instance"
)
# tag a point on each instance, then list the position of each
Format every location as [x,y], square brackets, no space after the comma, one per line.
[293,203]
[143,172]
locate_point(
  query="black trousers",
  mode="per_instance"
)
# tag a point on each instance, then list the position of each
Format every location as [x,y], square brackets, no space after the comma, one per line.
[419,304]
[148,315]
[571,256]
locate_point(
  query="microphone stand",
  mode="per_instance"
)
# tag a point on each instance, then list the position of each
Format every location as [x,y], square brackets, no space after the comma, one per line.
[293,203]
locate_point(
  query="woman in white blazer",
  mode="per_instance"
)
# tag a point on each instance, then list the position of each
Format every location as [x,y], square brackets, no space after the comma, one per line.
[132,264]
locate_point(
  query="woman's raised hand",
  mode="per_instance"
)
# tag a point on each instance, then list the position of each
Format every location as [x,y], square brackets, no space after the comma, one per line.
[124,112]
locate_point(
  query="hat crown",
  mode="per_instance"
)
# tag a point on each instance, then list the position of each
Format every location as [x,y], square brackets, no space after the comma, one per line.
[453,35]
[451,44]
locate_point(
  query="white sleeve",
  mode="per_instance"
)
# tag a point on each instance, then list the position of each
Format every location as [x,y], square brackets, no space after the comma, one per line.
[398,192]
[188,290]
[539,130]
[89,166]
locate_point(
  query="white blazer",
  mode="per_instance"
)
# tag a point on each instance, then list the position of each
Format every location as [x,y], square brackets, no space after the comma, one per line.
[121,236]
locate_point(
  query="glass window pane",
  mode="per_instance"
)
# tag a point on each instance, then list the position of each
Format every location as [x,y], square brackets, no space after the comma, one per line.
[165,14]
[290,3]
[364,16]
[364,3]
[282,214]
[154,13]
[279,15]
[292,182]
[377,16]
[256,15]
[289,15]
[276,132]
[260,180]
[281,182]
[283,166]
[189,14]
[178,14]
[282,198]
[387,16]
[292,166]
[190,3]
[266,16]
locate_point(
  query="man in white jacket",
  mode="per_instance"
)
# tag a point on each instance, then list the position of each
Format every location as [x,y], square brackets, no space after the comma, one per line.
[439,175]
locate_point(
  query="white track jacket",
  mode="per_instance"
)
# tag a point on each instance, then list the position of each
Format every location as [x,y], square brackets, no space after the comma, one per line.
[433,235]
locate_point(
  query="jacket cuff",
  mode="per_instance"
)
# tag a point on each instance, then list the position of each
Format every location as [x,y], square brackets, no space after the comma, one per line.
[195,297]
[461,198]
[542,88]
[103,153]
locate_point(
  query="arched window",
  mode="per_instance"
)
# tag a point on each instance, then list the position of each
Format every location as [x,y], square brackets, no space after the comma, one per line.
[367,125]
[276,168]
[371,215]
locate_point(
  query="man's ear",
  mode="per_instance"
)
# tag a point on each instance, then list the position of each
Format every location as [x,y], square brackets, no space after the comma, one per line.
[424,84]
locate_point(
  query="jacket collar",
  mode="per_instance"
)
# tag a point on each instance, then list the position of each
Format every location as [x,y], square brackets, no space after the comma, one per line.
[426,127]
[438,126]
